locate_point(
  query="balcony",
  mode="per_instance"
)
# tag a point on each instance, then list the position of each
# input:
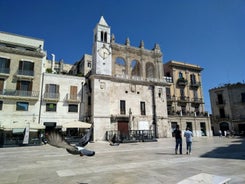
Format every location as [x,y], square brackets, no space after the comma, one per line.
[51,97]
[197,100]
[170,98]
[4,72]
[71,98]
[19,94]
[27,74]
[184,99]
[182,82]
[195,84]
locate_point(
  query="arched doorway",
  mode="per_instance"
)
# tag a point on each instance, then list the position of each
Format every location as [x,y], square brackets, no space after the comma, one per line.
[224,126]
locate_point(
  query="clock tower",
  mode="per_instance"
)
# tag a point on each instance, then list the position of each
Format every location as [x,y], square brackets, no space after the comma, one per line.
[102,60]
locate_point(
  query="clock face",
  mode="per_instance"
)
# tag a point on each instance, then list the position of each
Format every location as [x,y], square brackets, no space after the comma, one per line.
[104,52]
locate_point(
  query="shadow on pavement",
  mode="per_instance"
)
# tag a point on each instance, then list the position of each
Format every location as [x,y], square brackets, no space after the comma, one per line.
[236,150]
[165,153]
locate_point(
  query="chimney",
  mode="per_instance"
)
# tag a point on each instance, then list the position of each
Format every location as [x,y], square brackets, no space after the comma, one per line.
[53,62]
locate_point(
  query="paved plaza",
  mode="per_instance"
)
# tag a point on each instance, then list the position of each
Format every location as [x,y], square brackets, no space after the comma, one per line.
[136,163]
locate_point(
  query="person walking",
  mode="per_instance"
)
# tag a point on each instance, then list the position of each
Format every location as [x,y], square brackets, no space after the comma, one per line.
[188,135]
[178,139]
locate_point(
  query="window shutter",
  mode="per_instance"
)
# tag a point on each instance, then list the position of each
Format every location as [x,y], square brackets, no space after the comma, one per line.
[18,85]
[1,84]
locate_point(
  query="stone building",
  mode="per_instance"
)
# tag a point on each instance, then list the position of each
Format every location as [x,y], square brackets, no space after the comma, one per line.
[21,62]
[185,103]
[82,67]
[228,108]
[126,87]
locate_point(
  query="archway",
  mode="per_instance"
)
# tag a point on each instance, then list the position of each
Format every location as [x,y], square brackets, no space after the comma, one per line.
[224,126]
[149,70]
[120,66]
[135,68]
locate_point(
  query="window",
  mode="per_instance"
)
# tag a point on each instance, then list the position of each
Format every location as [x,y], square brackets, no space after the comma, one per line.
[52,91]
[73,108]
[122,107]
[103,36]
[73,92]
[170,109]
[180,75]
[222,112]
[89,100]
[23,87]
[26,68]
[168,93]
[1,85]
[243,97]
[193,79]
[195,95]
[142,108]
[183,110]
[22,106]
[189,124]
[220,99]
[182,94]
[4,65]
[89,64]
[1,105]
[203,128]
[51,107]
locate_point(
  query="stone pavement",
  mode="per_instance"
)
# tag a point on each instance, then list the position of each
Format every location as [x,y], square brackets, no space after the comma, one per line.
[136,163]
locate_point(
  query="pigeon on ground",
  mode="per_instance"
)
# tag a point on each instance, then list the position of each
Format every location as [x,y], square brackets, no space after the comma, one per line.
[114,141]
[56,140]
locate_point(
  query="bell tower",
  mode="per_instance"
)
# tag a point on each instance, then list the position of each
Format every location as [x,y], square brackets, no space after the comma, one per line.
[101,49]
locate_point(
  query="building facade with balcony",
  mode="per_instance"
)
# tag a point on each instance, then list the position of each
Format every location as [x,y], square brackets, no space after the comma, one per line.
[228,108]
[21,61]
[185,103]
[61,100]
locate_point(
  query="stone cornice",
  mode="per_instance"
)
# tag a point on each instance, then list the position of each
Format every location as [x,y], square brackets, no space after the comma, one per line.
[22,52]
[130,81]
[135,50]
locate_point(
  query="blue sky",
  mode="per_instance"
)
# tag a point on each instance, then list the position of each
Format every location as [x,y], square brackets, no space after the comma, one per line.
[208,33]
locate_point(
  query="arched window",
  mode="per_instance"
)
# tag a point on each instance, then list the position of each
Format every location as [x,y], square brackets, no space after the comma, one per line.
[120,66]
[149,70]
[103,36]
[135,68]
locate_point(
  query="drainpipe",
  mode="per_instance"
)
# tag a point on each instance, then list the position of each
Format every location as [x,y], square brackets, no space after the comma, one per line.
[154,115]
[41,99]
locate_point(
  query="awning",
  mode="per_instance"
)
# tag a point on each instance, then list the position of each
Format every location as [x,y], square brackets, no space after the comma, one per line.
[20,125]
[76,124]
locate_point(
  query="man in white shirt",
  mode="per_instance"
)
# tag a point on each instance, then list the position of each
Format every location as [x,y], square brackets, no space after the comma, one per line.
[188,135]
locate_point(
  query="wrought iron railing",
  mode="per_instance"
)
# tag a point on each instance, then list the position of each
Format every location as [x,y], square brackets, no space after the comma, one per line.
[9,92]
[4,70]
[132,136]
[26,72]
